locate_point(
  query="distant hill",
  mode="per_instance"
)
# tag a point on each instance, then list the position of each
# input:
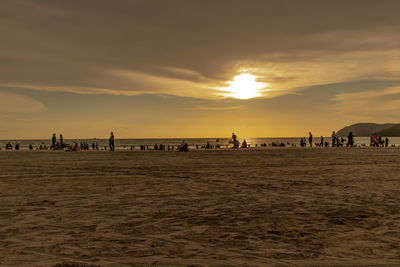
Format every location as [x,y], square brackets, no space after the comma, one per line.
[366,129]
[390,132]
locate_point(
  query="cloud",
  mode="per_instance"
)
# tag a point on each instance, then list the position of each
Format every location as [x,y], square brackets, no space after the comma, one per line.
[146,83]
[320,108]
[216,108]
[188,48]
[369,103]
[14,103]
[158,63]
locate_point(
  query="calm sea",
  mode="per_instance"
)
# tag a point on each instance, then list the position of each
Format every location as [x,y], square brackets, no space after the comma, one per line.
[125,144]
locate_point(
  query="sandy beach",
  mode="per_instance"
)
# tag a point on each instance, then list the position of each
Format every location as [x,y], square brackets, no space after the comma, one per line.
[256,207]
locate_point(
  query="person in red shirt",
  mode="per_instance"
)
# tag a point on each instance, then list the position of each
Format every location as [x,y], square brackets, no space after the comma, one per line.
[111,141]
[375,139]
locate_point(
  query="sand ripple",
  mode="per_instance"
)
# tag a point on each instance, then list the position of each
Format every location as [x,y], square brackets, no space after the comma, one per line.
[248,207]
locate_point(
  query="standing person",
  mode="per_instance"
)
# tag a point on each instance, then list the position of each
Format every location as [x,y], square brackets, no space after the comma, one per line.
[234,137]
[321,143]
[235,141]
[375,139]
[53,141]
[61,141]
[386,142]
[111,141]
[310,138]
[333,138]
[350,139]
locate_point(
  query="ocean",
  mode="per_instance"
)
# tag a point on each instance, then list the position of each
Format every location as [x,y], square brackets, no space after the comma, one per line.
[125,144]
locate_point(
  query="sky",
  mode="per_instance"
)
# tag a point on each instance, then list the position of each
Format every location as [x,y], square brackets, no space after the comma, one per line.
[148,69]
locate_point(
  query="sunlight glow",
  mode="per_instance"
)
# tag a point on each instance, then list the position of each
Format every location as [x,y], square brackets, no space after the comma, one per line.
[244,86]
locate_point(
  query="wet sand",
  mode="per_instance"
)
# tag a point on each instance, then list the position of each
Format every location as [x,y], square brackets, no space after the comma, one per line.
[277,206]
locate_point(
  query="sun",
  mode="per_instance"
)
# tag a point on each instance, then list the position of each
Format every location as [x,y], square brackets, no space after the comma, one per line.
[244,86]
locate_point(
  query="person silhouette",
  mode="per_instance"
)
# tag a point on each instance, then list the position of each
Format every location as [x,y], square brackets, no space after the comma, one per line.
[244,144]
[310,138]
[111,141]
[53,140]
[61,141]
[350,139]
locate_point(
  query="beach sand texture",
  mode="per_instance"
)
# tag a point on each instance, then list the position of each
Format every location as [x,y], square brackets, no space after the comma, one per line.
[220,207]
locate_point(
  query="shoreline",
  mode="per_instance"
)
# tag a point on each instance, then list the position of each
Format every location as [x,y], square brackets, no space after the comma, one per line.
[136,144]
[127,150]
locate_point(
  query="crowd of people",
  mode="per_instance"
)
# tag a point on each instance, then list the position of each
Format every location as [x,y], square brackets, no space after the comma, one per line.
[378,141]
[336,141]
[17,146]
[340,141]
[9,146]
[57,145]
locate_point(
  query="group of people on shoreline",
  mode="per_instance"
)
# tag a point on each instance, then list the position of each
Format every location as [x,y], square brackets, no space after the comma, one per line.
[57,145]
[236,143]
[340,141]
[336,141]
[378,141]
[183,147]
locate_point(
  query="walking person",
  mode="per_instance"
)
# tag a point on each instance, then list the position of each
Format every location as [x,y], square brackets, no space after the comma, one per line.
[111,141]
[53,141]
[350,139]
[61,141]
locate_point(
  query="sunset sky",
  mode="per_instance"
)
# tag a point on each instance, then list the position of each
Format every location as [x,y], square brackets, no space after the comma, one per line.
[196,68]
